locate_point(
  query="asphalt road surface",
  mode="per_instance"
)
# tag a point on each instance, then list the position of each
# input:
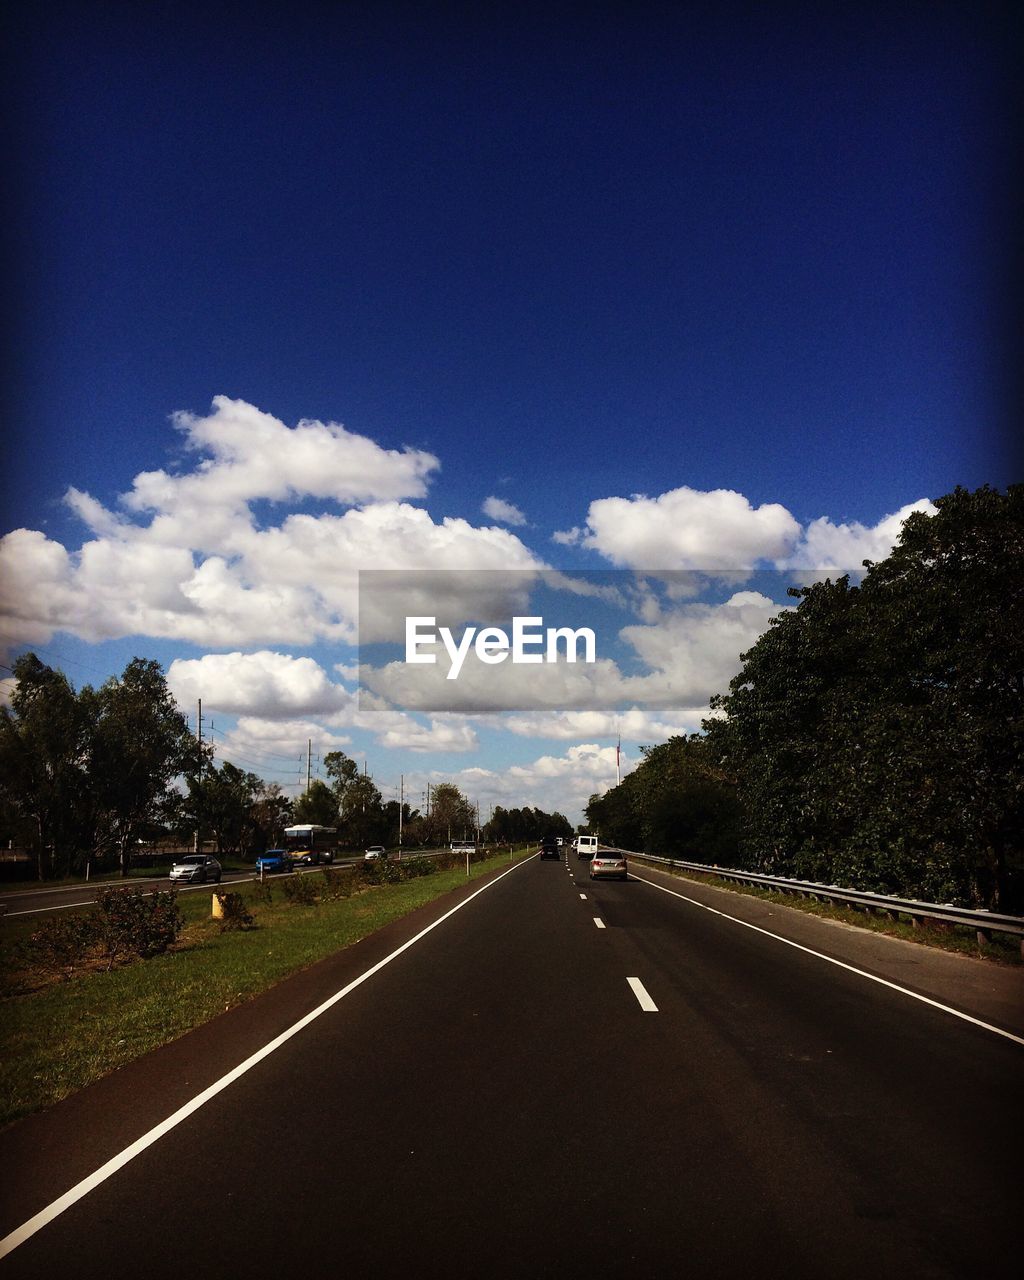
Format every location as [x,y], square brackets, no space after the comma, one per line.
[501,1100]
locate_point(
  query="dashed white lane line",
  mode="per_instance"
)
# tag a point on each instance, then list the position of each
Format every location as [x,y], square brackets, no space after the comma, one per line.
[58,1206]
[599,922]
[840,964]
[583,897]
[640,991]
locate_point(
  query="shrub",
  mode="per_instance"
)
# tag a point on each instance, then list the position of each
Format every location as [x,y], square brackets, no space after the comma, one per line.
[62,944]
[415,867]
[234,913]
[338,883]
[133,923]
[300,890]
[263,892]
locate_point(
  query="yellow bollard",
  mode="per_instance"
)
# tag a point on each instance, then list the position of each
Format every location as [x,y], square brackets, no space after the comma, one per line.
[218,907]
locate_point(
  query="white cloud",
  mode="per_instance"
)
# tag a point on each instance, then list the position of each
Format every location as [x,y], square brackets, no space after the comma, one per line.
[844,547]
[502,511]
[634,724]
[686,529]
[555,783]
[263,684]
[202,570]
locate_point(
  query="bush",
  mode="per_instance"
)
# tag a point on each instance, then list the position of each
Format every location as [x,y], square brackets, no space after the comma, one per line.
[133,923]
[412,868]
[234,914]
[300,890]
[263,892]
[62,944]
[338,883]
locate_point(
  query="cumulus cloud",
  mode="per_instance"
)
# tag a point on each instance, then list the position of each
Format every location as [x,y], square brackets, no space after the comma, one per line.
[562,783]
[186,559]
[267,688]
[844,547]
[264,684]
[502,511]
[634,724]
[686,529]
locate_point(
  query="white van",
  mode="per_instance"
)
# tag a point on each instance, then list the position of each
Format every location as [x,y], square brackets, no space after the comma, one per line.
[586,846]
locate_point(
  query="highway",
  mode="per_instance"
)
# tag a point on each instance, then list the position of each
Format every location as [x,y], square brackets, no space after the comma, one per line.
[560,1078]
[42,901]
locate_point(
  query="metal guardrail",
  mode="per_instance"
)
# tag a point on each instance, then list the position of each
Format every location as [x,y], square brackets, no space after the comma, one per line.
[984,922]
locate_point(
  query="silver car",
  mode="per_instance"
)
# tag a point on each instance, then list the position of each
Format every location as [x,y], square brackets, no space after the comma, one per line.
[609,864]
[196,868]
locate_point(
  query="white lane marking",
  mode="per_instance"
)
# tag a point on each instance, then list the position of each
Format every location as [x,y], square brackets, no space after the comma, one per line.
[28,1229]
[583,897]
[640,991]
[840,964]
[599,922]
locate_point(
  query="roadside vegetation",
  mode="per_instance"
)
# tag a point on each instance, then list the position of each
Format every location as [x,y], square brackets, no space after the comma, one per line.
[72,1012]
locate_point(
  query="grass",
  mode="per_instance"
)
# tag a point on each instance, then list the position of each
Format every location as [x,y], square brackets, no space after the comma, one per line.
[59,1036]
[1002,949]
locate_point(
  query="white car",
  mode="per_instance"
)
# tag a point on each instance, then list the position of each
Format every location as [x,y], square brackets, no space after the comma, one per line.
[196,868]
[374,852]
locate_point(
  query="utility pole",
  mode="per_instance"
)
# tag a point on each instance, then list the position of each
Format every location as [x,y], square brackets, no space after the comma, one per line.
[309,763]
[199,735]
[401,806]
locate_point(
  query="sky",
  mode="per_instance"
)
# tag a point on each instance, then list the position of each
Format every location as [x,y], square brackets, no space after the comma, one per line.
[681,301]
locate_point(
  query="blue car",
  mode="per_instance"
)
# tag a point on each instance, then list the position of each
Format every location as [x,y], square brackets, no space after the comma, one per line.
[273,860]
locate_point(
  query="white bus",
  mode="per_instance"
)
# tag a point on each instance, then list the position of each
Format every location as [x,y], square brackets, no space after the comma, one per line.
[308,843]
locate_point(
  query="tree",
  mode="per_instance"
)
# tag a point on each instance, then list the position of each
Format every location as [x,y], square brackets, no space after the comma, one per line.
[318,805]
[878,731]
[44,748]
[139,743]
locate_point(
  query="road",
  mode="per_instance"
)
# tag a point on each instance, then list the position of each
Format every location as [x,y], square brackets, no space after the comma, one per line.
[497,1101]
[30,902]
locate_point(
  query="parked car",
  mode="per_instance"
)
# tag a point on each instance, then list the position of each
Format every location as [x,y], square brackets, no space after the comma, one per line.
[274,860]
[374,852]
[549,848]
[586,846]
[609,864]
[196,868]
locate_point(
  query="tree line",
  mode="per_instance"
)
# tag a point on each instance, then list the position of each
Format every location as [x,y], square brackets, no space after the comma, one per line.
[874,735]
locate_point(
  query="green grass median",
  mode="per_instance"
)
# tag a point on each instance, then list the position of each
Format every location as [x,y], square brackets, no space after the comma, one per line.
[60,1035]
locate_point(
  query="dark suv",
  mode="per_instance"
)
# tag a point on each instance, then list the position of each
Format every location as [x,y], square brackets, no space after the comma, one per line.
[549,848]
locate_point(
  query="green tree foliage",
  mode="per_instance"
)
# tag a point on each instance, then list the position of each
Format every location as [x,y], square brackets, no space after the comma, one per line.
[318,804]
[243,813]
[512,826]
[878,731]
[139,743]
[44,764]
[680,801]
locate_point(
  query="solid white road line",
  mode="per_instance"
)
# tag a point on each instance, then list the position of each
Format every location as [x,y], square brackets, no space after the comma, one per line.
[34,1224]
[640,991]
[599,922]
[840,964]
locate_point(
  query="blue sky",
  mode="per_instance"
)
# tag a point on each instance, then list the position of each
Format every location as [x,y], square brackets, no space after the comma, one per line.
[663,250]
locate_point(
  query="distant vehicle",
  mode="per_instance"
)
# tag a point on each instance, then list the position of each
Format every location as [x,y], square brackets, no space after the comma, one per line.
[549,848]
[586,846]
[274,860]
[374,852]
[559,841]
[308,843]
[609,864]
[196,868]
